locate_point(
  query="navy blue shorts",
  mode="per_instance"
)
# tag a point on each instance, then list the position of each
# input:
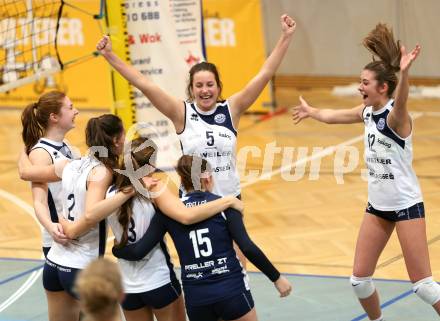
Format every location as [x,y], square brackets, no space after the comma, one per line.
[415,211]
[59,278]
[157,298]
[228,309]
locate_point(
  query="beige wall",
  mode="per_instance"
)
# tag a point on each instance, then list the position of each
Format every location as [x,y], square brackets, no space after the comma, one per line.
[329,33]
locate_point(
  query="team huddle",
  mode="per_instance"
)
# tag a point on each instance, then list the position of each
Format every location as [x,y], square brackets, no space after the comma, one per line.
[76,199]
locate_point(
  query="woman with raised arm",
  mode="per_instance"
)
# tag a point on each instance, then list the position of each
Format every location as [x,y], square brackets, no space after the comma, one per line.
[215,284]
[45,125]
[206,124]
[394,196]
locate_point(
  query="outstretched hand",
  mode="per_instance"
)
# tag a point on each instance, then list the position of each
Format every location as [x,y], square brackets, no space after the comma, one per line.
[288,25]
[104,45]
[301,111]
[408,58]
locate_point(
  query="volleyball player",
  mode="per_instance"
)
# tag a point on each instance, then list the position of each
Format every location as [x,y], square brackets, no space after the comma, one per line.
[85,183]
[394,197]
[215,283]
[45,125]
[206,124]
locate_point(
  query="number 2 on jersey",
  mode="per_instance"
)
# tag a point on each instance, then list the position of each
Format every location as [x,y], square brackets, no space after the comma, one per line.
[71,197]
[198,240]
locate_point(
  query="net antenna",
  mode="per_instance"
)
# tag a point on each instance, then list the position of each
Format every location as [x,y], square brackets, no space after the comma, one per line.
[29,43]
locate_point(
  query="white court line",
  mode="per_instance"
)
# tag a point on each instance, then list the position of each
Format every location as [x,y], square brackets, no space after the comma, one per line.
[22,290]
[28,209]
[431,113]
[34,276]
[325,152]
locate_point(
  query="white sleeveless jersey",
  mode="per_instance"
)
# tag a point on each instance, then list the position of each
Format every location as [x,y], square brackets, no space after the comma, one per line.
[392,182]
[81,251]
[57,151]
[211,135]
[153,271]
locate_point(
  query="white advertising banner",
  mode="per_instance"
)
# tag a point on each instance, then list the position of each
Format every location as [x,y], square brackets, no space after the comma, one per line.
[165,40]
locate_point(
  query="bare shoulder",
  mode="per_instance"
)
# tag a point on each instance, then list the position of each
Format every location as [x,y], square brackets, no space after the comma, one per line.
[359,110]
[100,174]
[40,156]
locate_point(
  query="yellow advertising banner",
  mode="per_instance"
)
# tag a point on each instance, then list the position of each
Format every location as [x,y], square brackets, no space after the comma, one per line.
[26,43]
[235,43]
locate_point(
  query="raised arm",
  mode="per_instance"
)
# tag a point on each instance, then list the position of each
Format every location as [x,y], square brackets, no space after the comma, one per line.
[39,173]
[137,251]
[173,207]
[253,252]
[242,100]
[399,119]
[168,105]
[328,116]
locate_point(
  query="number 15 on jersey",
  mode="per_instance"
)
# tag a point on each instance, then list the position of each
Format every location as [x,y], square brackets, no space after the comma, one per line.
[201,243]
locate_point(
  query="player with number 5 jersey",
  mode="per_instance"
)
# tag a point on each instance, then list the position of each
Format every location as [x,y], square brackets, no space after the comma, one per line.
[206,124]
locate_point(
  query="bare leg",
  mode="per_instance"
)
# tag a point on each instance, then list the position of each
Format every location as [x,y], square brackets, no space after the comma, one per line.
[62,306]
[142,314]
[174,311]
[250,316]
[373,235]
[412,238]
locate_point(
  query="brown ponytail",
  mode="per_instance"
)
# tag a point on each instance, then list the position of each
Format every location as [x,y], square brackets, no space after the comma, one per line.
[101,131]
[35,117]
[142,152]
[380,42]
[190,169]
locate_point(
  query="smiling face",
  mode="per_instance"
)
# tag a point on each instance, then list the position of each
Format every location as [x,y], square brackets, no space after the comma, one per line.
[65,118]
[373,93]
[205,89]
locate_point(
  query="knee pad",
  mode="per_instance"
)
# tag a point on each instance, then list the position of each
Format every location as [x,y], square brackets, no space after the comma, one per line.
[362,287]
[427,290]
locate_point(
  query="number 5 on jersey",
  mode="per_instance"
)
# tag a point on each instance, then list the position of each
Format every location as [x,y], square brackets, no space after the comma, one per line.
[209,138]
[198,240]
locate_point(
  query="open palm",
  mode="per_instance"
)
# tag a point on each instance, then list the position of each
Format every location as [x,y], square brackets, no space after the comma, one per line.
[408,58]
[301,111]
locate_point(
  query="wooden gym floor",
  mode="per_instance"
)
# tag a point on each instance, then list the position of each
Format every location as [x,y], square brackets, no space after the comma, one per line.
[305,226]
